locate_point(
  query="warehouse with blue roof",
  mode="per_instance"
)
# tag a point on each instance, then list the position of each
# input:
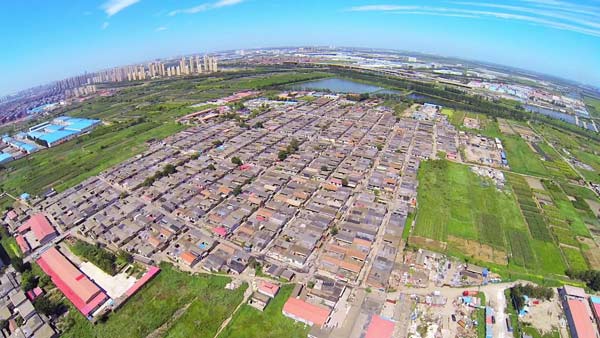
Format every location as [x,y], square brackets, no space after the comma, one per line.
[60,130]
[4,157]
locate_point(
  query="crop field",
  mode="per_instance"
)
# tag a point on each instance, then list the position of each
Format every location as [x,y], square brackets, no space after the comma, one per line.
[521,158]
[156,303]
[458,203]
[574,258]
[249,322]
[539,237]
[574,146]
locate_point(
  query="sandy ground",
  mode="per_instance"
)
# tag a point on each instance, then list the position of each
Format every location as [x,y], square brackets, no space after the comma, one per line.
[545,316]
[115,285]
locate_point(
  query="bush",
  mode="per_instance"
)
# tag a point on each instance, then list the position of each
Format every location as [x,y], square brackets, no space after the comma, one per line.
[44,305]
[95,254]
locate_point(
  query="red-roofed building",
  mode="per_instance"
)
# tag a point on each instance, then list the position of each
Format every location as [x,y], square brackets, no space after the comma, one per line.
[595,304]
[578,317]
[41,228]
[12,215]
[380,328]
[25,248]
[268,289]
[221,231]
[77,287]
[153,271]
[189,258]
[306,313]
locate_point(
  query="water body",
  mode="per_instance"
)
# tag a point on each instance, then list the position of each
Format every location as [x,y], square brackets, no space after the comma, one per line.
[337,85]
[551,113]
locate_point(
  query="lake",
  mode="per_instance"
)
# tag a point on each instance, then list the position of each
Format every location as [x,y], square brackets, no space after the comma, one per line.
[337,85]
[551,113]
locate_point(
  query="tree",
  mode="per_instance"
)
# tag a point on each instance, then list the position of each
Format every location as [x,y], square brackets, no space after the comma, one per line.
[17,263]
[237,190]
[44,280]
[46,306]
[211,167]
[124,257]
[168,170]
[236,160]
[282,155]
[344,182]
[19,320]
[334,231]
[28,281]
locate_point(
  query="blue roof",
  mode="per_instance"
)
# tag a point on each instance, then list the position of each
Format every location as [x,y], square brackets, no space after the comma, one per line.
[24,196]
[4,157]
[56,136]
[21,145]
[79,124]
[595,299]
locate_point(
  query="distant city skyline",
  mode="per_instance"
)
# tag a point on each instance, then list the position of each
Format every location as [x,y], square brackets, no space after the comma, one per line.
[52,40]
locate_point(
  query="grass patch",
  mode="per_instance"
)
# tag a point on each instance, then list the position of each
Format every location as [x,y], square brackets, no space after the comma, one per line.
[156,303]
[521,158]
[251,323]
[454,201]
[574,258]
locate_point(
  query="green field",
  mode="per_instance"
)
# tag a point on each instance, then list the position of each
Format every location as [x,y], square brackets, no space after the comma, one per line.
[156,303]
[593,105]
[574,146]
[454,201]
[251,323]
[521,158]
[455,117]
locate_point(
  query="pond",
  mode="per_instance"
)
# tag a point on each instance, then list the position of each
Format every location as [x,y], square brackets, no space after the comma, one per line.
[342,86]
[551,113]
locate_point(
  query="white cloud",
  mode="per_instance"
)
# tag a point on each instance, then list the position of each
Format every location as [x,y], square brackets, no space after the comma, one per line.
[105,25]
[542,15]
[160,29]
[206,7]
[382,8]
[112,7]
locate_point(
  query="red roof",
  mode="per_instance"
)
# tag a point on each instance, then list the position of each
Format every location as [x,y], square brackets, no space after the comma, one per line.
[581,319]
[380,328]
[23,244]
[77,287]
[267,288]
[12,214]
[40,226]
[221,231]
[140,282]
[188,257]
[310,313]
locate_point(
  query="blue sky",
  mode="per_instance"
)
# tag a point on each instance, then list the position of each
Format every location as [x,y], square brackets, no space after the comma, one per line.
[52,39]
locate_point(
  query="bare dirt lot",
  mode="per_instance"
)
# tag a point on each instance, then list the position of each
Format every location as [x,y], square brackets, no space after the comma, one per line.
[479,251]
[534,183]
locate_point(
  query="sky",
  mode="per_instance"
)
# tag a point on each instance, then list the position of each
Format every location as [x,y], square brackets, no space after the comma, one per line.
[48,40]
